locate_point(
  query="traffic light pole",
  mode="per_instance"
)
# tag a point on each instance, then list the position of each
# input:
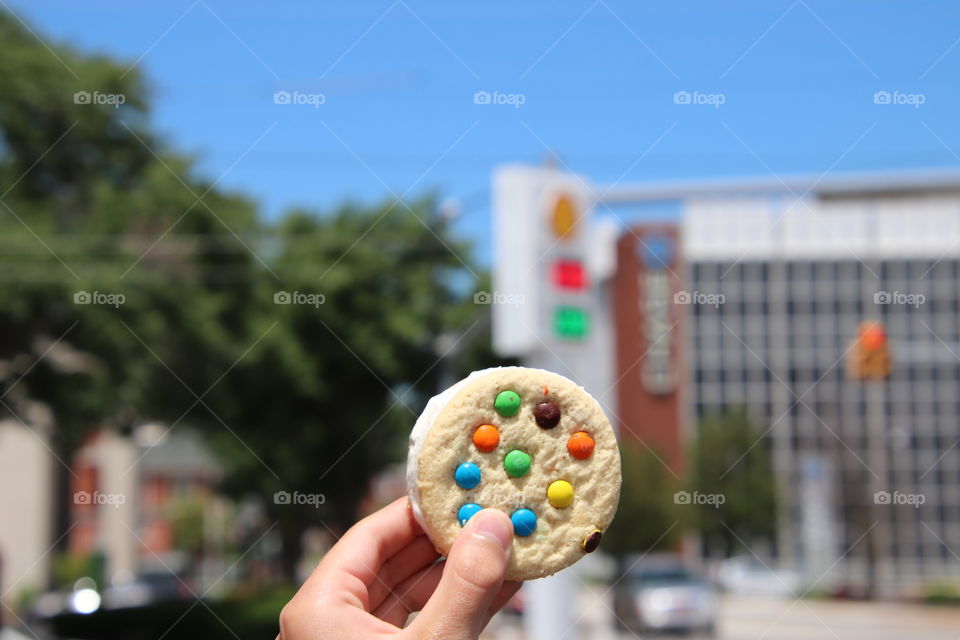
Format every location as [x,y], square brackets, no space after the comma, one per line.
[879,537]
[551,261]
[870,365]
[550,602]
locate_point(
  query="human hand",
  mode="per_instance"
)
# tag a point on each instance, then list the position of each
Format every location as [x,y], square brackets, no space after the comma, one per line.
[385,567]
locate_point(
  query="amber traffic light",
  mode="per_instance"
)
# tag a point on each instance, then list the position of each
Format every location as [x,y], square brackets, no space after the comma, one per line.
[564,218]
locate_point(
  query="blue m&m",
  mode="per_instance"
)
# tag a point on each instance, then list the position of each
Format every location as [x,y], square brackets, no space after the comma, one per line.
[467,511]
[524,522]
[467,475]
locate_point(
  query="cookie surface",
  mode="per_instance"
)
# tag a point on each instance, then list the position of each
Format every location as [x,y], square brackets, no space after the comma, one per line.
[528,442]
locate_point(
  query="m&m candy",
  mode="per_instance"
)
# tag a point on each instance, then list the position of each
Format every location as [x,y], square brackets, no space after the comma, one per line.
[546,415]
[507,403]
[517,463]
[467,511]
[486,437]
[580,445]
[591,541]
[524,522]
[560,494]
[467,475]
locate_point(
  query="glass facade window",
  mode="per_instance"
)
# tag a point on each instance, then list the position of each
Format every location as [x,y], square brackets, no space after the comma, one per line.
[798,318]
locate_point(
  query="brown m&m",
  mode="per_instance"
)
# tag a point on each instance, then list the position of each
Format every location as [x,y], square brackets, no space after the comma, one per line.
[547,415]
[591,541]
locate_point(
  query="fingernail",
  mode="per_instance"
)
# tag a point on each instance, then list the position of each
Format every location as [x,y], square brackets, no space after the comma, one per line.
[490,525]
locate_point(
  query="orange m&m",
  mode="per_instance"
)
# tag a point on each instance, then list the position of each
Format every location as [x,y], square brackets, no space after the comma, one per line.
[486,437]
[580,445]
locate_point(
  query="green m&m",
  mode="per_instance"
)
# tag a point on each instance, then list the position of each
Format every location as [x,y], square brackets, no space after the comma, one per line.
[507,403]
[517,463]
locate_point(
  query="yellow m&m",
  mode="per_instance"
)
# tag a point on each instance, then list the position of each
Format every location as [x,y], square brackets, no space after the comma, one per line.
[560,493]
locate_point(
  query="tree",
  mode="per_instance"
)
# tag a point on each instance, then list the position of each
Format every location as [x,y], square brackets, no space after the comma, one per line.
[87,191]
[337,382]
[731,471]
[293,396]
[647,518]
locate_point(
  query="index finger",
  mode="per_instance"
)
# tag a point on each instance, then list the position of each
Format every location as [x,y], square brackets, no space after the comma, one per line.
[365,547]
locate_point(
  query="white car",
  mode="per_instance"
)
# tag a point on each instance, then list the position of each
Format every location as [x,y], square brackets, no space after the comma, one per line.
[745,575]
[666,598]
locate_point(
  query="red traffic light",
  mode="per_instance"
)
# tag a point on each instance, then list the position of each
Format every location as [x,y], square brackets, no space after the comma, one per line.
[569,274]
[872,336]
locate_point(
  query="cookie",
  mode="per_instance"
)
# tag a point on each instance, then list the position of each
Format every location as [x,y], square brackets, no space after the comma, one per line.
[528,442]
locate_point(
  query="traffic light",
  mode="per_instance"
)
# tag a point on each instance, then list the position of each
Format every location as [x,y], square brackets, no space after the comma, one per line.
[870,356]
[550,259]
[568,276]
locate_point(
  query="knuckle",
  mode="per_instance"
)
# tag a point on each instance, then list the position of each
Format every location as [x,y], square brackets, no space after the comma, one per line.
[286,619]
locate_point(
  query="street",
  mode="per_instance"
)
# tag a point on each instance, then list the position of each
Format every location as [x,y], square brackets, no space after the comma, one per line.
[756,618]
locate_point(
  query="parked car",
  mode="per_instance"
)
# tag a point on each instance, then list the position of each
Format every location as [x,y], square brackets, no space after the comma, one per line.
[747,575]
[665,598]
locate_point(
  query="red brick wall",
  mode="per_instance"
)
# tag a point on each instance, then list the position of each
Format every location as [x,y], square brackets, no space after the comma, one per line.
[654,419]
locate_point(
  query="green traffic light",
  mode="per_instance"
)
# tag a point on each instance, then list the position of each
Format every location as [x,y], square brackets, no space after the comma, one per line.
[571,323]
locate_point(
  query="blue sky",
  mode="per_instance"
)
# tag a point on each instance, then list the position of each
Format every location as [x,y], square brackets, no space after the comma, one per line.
[597,79]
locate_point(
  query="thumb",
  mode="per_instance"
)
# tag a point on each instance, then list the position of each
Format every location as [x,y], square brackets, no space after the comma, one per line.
[472,575]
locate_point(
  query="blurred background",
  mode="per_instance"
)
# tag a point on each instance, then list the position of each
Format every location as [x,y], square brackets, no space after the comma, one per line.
[242,244]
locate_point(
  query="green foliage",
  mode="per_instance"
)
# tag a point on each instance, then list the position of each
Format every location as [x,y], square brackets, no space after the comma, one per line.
[24,598]
[647,518]
[69,567]
[730,459]
[333,388]
[291,397]
[944,592]
[186,516]
[88,191]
